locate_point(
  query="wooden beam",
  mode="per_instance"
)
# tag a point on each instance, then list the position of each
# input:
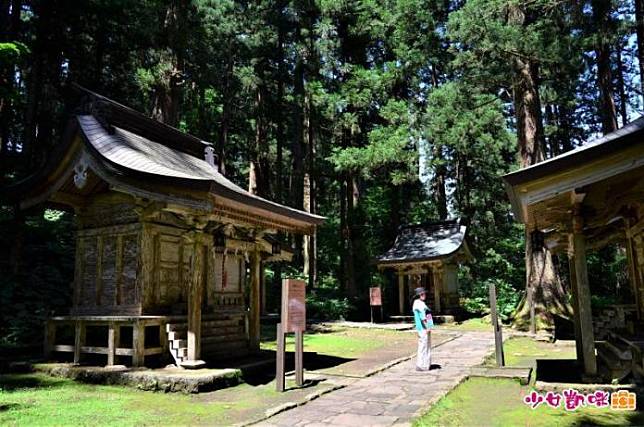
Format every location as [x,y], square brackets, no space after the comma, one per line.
[254,321]
[578,246]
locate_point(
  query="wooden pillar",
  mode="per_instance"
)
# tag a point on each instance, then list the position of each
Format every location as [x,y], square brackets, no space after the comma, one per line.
[575,308]
[254,324]
[79,340]
[633,271]
[163,341]
[262,280]
[582,288]
[50,338]
[138,344]
[401,292]
[113,342]
[436,281]
[195,297]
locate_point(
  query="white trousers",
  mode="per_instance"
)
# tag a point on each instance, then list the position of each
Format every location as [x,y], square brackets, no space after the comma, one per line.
[424,357]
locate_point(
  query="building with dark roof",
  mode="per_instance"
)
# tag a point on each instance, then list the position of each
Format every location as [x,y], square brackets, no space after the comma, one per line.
[428,255]
[163,242]
[582,200]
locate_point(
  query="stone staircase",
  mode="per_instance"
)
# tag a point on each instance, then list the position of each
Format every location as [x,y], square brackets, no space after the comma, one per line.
[622,355]
[223,336]
[616,357]
[611,318]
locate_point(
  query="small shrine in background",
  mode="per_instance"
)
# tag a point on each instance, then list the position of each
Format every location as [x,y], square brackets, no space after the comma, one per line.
[428,255]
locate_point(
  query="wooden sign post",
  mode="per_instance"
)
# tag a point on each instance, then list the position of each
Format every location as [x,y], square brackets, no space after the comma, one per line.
[293,319]
[498,337]
[375,300]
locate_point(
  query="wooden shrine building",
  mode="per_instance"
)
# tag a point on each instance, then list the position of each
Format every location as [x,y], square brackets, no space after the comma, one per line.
[428,255]
[585,199]
[169,252]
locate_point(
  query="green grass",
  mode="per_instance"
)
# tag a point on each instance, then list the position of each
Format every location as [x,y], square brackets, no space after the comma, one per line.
[470,405]
[340,342]
[499,402]
[476,324]
[40,400]
[523,351]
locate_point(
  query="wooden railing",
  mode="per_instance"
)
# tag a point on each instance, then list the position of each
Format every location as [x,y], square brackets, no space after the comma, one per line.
[137,351]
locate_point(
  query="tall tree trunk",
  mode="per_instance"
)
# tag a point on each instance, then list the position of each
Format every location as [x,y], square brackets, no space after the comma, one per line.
[222,140]
[639,21]
[258,174]
[279,131]
[297,149]
[608,112]
[621,84]
[309,241]
[544,297]
[35,83]
[440,195]
[349,267]
[10,20]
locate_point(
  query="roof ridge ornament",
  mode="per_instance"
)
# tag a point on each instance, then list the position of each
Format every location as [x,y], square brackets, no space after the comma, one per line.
[210,157]
[80,172]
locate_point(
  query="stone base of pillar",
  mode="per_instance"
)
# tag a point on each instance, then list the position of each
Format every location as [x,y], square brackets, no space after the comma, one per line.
[193,364]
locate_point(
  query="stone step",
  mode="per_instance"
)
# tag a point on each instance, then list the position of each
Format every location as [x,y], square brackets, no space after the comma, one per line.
[176,336]
[179,353]
[179,344]
[610,359]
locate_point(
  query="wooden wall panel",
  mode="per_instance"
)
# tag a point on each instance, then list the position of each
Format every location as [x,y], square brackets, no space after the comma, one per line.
[107,294]
[108,271]
[130,250]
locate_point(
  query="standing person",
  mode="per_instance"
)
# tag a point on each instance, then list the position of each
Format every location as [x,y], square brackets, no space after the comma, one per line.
[423,321]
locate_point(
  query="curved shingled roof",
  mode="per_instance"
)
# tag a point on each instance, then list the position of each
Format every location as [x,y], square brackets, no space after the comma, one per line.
[425,242]
[147,151]
[626,136]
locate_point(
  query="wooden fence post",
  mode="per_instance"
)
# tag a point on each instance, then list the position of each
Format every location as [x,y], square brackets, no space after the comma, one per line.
[498,337]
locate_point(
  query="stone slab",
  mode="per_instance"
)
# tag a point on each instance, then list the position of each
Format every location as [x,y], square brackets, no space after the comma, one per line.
[166,379]
[521,374]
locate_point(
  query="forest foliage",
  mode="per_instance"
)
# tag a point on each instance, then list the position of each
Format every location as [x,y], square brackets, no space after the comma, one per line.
[373,113]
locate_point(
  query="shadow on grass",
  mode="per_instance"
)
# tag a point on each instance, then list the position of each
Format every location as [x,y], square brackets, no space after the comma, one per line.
[312,361]
[10,406]
[12,382]
[307,384]
[558,370]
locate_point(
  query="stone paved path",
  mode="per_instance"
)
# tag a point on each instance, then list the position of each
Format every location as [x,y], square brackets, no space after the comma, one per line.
[397,395]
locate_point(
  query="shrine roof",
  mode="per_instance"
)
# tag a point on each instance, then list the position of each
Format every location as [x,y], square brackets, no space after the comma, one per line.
[426,242]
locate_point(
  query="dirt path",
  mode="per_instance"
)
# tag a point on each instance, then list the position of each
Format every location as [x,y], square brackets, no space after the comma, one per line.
[397,395]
